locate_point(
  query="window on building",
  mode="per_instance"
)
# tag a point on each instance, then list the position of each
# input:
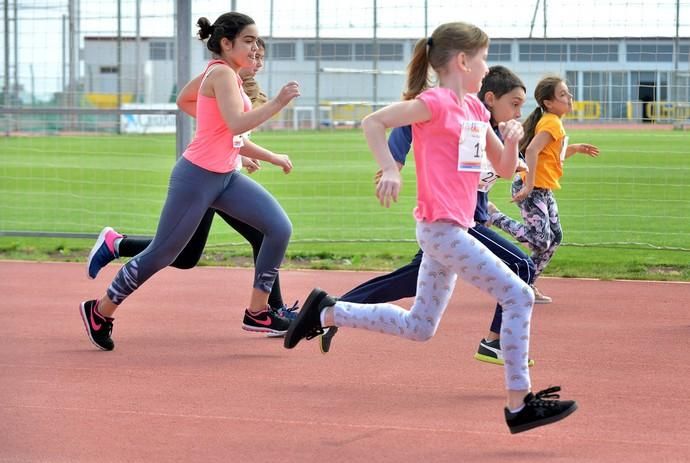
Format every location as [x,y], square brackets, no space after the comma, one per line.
[283,51]
[594,52]
[617,108]
[364,52]
[387,52]
[650,52]
[543,52]
[310,51]
[663,86]
[593,86]
[572,81]
[684,53]
[158,51]
[390,52]
[108,69]
[342,52]
[499,52]
[329,51]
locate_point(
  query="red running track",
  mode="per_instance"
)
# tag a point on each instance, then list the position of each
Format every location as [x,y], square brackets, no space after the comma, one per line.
[186,384]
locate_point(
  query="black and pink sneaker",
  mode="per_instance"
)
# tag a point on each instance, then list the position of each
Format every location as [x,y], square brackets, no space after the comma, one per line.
[267,321]
[98,327]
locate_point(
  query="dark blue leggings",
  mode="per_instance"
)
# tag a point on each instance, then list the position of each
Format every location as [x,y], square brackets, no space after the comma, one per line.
[191,192]
[191,254]
[402,282]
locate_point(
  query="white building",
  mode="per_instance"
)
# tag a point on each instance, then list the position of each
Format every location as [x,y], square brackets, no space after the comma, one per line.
[611,78]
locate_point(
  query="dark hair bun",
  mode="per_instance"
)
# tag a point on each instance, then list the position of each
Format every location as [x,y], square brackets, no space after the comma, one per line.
[205,28]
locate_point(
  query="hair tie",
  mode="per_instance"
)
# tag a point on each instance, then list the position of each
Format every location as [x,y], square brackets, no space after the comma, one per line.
[429,42]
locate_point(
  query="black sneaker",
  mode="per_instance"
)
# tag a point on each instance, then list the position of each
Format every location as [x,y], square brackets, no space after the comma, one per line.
[326,338]
[98,327]
[267,321]
[490,352]
[308,322]
[540,409]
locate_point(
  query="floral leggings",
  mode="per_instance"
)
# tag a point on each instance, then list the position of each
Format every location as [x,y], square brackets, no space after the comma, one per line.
[541,230]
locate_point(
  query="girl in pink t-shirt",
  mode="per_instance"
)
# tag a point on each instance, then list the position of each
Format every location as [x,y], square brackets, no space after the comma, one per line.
[452,139]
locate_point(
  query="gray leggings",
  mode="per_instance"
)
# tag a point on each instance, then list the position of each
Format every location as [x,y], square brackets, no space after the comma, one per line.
[192,190]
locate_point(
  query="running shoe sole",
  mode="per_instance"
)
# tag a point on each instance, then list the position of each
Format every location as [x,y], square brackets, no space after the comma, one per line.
[551,419]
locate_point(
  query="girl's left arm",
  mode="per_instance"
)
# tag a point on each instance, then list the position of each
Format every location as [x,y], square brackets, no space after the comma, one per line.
[504,156]
[254,151]
[584,148]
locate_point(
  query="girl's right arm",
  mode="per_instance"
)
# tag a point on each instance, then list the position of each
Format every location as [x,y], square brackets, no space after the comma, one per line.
[538,143]
[186,99]
[224,88]
[374,126]
[399,142]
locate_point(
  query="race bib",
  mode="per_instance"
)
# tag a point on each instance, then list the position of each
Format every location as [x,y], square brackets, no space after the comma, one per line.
[238,141]
[472,147]
[564,148]
[487,178]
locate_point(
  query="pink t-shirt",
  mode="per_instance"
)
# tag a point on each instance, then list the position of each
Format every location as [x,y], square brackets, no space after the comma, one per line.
[443,192]
[214,147]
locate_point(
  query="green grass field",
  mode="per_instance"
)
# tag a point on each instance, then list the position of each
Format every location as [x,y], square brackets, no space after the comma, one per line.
[625,214]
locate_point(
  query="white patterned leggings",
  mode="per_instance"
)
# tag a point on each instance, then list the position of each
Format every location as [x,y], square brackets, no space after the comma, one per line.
[449,252]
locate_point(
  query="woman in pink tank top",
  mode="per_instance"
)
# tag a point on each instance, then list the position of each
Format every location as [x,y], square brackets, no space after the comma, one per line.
[205,177]
[112,245]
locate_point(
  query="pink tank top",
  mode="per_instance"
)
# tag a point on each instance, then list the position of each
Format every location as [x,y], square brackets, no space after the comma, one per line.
[214,146]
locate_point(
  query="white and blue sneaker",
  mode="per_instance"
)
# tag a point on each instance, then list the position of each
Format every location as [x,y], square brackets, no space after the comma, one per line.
[102,252]
[288,312]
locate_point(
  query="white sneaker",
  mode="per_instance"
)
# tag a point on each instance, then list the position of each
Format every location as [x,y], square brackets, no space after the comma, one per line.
[491,207]
[540,298]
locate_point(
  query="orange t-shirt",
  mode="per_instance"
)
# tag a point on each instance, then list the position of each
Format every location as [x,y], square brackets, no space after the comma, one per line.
[549,162]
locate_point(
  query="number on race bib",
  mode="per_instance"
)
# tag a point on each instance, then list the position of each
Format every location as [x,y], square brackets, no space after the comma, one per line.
[472,146]
[238,141]
[487,180]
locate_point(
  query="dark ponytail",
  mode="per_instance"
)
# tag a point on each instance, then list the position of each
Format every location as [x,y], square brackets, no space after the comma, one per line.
[228,26]
[529,126]
[545,90]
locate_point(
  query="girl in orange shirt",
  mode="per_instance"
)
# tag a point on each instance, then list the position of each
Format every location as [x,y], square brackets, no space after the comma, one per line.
[546,147]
